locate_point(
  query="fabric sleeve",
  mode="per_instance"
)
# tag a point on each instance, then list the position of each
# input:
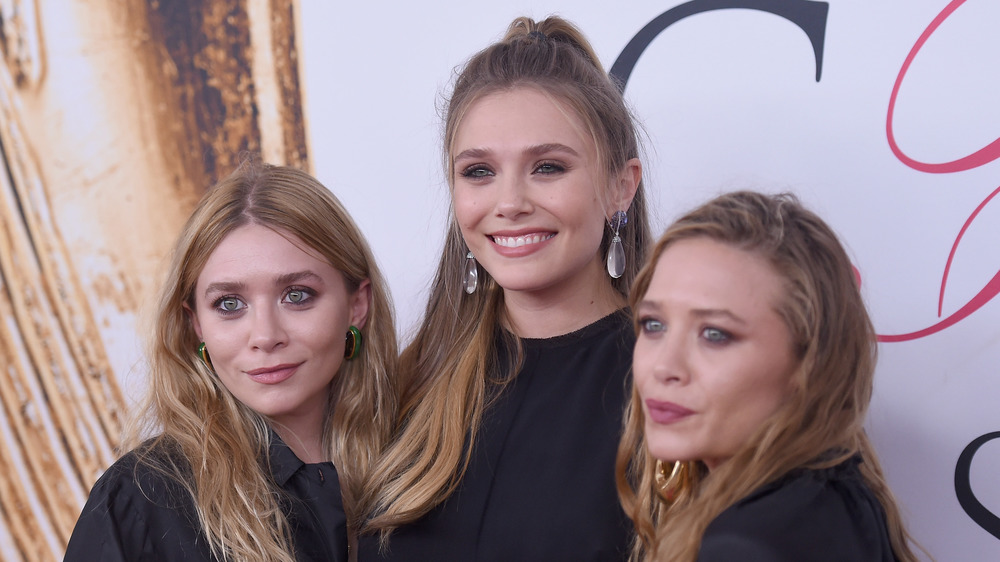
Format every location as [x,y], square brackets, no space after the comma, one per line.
[818,515]
[729,547]
[111,527]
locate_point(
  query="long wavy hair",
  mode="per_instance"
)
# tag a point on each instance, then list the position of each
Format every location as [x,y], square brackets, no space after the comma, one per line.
[445,369]
[195,417]
[821,423]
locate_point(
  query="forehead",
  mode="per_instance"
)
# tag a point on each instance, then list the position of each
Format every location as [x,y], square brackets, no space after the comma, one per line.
[524,115]
[254,249]
[716,274]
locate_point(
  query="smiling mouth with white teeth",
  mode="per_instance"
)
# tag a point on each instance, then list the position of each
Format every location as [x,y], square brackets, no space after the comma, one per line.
[518,241]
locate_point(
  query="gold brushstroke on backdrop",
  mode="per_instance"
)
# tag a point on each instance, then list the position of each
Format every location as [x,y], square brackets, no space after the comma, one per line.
[115,116]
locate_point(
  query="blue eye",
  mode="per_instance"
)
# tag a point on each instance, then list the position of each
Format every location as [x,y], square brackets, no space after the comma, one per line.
[477,171]
[715,335]
[549,168]
[651,326]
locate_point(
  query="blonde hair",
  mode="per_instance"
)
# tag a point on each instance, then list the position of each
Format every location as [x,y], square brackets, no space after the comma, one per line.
[199,421]
[443,372]
[820,425]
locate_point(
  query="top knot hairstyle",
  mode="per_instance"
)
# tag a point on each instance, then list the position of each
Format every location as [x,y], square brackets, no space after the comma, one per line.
[555,58]
[443,372]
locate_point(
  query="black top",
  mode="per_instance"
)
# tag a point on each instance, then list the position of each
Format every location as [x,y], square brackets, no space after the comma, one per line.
[816,515]
[541,481]
[135,512]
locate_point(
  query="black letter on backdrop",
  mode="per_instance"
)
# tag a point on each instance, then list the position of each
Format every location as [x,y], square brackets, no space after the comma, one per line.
[810,16]
[963,488]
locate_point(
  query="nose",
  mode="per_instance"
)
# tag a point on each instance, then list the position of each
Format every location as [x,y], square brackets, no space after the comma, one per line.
[267,331]
[669,361]
[513,199]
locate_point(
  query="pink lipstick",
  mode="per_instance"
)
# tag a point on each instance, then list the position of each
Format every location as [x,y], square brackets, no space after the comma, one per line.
[666,412]
[273,375]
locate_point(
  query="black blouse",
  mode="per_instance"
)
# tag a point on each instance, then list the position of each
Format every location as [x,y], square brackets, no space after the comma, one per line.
[817,515]
[135,512]
[541,481]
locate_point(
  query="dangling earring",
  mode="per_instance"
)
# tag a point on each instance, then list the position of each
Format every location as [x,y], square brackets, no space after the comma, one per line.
[669,487]
[470,280]
[616,253]
[203,352]
[353,346]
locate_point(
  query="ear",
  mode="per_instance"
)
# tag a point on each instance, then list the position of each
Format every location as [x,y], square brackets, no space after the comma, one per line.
[193,316]
[626,184]
[360,303]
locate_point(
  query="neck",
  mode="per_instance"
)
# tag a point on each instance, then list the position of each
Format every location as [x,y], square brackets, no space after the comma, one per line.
[564,308]
[305,440]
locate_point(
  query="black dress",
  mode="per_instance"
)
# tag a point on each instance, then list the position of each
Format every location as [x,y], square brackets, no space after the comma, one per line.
[541,481]
[136,513]
[816,515]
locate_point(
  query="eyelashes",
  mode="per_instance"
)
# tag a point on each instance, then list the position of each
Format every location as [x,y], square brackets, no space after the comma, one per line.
[476,171]
[232,305]
[228,305]
[544,168]
[652,327]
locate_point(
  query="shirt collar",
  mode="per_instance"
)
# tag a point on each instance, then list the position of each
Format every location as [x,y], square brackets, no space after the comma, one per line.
[284,463]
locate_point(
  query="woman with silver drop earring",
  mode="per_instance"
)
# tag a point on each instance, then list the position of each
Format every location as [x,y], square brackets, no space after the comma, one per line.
[513,388]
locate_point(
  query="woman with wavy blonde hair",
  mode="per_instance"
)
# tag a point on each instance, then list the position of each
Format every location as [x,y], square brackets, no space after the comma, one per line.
[753,370]
[513,388]
[270,391]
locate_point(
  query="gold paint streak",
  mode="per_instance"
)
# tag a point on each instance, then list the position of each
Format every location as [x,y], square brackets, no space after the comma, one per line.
[14,493]
[165,95]
[75,325]
[267,95]
[19,398]
[284,31]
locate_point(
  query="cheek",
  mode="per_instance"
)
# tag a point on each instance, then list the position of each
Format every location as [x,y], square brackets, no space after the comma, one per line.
[468,207]
[592,224]
[641,369]
[760,401]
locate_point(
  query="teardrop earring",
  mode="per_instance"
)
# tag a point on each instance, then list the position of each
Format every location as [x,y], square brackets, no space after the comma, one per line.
[616,252]
[470,279]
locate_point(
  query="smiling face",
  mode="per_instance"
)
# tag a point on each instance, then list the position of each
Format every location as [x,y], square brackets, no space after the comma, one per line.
[713,359]
[274,319]
[527,193]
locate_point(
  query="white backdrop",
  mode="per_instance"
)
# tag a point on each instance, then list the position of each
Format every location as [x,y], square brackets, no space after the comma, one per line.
[729,99]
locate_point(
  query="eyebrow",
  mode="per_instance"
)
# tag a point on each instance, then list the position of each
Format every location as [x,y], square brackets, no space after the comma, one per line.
[697,312]
[283,279]
[716,312]
[296,276]
[535,150]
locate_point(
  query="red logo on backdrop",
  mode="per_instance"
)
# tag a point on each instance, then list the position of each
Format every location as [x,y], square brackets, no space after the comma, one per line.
[812,17]
[982,156]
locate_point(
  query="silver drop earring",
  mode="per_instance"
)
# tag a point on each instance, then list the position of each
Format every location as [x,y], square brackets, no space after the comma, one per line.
[470,280]
[616,253]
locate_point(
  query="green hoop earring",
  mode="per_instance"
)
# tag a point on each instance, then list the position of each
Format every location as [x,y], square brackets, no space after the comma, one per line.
[203,352]
[353,347]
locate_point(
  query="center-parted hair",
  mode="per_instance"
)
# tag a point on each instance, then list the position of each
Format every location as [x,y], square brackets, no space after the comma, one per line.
[198,421]
[445,369]
[822,422]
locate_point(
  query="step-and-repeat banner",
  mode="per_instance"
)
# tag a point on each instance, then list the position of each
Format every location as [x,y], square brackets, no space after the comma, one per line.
[882,116]
[115,115]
